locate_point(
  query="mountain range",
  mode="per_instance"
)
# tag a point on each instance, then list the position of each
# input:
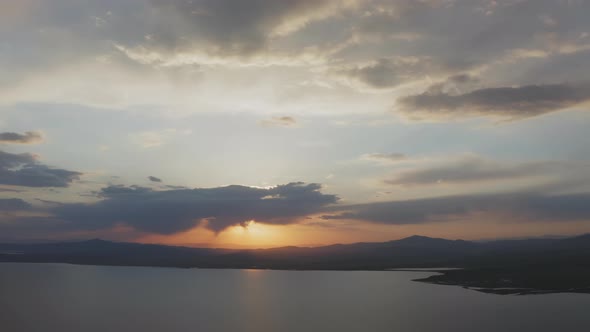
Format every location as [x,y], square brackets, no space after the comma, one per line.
[411,252]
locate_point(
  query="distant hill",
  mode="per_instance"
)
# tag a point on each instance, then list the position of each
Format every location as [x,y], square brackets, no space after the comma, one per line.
[411,252]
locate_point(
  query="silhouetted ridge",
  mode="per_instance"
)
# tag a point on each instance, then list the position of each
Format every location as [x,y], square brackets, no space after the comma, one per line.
[96,240]
[419,239]
[413,251]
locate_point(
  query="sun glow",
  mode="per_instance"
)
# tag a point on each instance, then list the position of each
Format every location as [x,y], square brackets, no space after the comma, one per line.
[250,234]
[250,227]
[253,233]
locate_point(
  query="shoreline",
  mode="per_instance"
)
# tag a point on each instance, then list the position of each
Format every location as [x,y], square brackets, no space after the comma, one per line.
[516,281]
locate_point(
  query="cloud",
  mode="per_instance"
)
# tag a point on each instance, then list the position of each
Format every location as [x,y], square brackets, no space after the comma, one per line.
[389,72]
[144,49]
[485,33]
[13,204]
[471,169]
[154,179]
[384,157]
[24,170]
[529,207]
[230,28]
[103,36]
[29,137]
[173,211]
[10,190]
[280,121]
[504,102]
[454,84]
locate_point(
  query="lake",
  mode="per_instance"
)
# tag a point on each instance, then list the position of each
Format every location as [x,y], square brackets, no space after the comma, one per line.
[62,297]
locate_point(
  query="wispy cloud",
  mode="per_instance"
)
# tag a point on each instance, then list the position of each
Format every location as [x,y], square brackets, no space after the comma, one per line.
[385,157]
[30,137]
[471,169]
[279,121]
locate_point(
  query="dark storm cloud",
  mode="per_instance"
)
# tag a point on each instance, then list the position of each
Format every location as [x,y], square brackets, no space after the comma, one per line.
[15,138]
[506,102]
[173,211]
[13,204]
[529,207]
[472,169]
[154,179]
[24,170]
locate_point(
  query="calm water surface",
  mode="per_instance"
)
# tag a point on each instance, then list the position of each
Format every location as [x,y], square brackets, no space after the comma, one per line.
[61,297]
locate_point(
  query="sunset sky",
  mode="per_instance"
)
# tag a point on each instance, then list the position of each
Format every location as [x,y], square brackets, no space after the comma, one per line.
[260,123]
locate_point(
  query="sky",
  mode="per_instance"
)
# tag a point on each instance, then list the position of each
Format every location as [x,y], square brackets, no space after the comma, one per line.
[259,123]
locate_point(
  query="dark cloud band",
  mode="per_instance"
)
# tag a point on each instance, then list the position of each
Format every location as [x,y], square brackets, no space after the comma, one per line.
[24,170]
[506,102]
[173,211]
[473,169]
[530,207]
